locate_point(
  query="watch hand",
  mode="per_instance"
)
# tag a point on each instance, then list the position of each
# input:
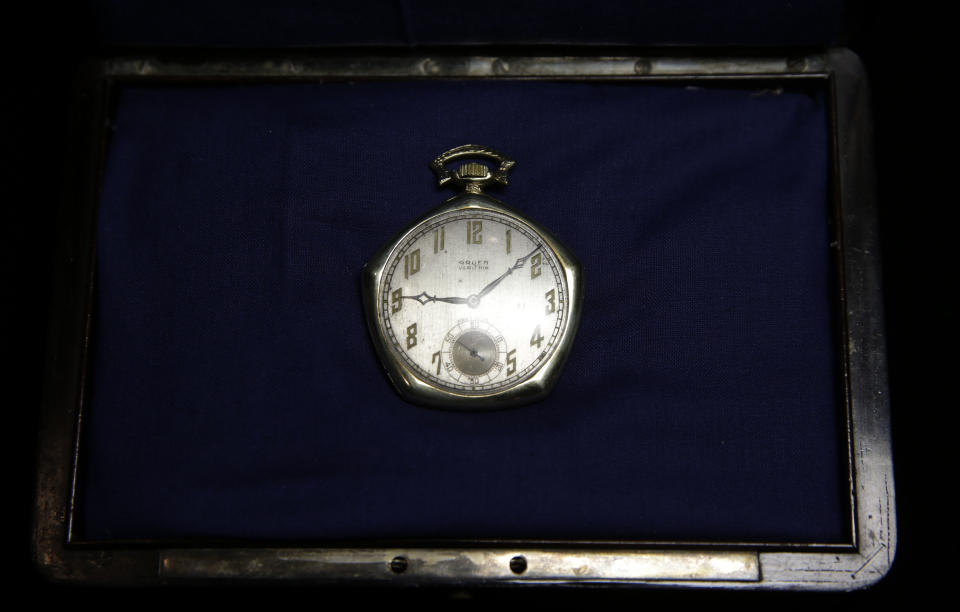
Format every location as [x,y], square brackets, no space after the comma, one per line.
[425,298]
[516,266]
[473,353]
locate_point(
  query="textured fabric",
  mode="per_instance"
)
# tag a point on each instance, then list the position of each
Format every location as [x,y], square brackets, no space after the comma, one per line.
[235,391]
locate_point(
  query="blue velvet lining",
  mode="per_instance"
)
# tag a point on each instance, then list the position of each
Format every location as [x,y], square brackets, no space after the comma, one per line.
[235,391]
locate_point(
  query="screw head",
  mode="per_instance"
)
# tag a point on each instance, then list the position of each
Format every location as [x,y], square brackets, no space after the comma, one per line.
[518,564]
[398,565]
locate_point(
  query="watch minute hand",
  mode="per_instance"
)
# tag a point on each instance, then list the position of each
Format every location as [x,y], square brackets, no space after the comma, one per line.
[516,266]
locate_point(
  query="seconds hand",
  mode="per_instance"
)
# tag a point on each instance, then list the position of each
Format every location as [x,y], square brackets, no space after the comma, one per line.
[473,352]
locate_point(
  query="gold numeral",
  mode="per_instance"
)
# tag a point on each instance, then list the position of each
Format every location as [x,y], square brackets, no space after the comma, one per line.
[512,362]
[535,262]
[436,357]
[536,339]
[551,301]
[474,229]
[412,336]
[396,301]
[437,240]
[508,241]
[411,264]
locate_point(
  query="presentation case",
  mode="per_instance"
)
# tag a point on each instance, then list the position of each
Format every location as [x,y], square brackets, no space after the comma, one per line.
[215,411]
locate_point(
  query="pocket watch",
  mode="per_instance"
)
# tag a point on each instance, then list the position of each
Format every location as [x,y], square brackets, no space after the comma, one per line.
[474,305]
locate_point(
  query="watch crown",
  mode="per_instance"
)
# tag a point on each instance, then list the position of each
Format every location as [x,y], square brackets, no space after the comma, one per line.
[473,170]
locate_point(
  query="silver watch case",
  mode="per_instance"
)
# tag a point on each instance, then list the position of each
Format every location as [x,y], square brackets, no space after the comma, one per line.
[415,390]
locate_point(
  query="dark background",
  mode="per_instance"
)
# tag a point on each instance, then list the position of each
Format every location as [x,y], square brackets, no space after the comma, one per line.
[899,48]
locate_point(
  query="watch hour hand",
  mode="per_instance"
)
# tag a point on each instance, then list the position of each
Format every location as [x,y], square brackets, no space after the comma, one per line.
[516,266]
[425,298]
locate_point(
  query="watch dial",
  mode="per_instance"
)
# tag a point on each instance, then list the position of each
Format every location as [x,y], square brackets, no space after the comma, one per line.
[473,301]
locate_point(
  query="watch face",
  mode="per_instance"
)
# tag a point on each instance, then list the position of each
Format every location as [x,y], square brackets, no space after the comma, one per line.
[473,302]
